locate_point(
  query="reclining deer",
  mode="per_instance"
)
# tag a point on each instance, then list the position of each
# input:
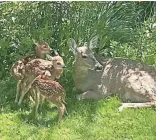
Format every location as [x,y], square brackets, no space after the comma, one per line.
[132,80]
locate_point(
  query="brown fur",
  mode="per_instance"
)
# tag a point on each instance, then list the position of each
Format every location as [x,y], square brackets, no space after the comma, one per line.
[39,67]
[132,80]
[18,68]
[52,91]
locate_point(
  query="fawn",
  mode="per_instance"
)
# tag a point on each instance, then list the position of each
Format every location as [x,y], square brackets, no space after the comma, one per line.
[38,67]
[18,68]
[51,91]
[39,77]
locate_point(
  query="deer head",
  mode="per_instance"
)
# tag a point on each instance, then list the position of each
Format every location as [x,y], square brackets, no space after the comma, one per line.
[42,48]
[58,62]
[84,55]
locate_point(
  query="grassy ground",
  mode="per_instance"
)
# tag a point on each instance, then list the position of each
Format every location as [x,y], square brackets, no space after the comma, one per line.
[87,120]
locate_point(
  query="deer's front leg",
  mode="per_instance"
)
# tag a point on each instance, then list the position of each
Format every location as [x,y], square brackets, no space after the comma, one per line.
[37,102]
[74,90]
[18,90]
[89,95]
[98,93]
[25,88]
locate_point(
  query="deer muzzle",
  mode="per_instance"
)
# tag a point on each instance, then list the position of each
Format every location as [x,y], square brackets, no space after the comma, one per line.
[98,67]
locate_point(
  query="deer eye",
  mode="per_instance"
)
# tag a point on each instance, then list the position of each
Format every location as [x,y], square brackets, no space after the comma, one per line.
[44,46]
[58,63]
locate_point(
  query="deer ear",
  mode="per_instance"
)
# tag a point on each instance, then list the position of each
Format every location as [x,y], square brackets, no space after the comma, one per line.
[93,42]
[85,44]
[56,53]
[35,42]
[50,58]
[72,45]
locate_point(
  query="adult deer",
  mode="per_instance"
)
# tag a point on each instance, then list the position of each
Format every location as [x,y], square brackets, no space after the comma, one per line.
[132,80]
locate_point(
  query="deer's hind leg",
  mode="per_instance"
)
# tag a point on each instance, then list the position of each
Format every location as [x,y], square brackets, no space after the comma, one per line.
[37,102]
[32,96]
[26,85]
[18,90]
[137,105]
[23,92]
[61,107]
[138,99]
[89,95]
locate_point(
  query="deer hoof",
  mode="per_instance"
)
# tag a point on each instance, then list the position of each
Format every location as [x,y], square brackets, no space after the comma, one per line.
[19,103]
[73,90]
[78,97]
[16,101]
[121,108]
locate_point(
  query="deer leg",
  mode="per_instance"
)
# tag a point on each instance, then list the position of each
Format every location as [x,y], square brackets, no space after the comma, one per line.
[32,96]
[42,98]
[37,100]
[89,95]
[18,90]
[136,105]
[22,90]
[23,94]
[61,107]
[74,89]
[66,111]
[138,99]
[25,90]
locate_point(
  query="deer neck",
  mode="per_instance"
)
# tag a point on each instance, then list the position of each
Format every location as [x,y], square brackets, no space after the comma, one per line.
[39,54]
[56,73]
[81,69]
[81,76]
[86,78]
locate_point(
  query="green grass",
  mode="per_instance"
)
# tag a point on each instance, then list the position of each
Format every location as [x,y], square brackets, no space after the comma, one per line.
[87,120]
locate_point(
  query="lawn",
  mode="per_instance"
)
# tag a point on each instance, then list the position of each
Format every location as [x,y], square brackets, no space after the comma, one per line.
[86,120]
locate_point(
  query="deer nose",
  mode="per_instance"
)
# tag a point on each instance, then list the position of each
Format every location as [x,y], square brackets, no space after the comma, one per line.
[98,67]
[64,66]
[50,49]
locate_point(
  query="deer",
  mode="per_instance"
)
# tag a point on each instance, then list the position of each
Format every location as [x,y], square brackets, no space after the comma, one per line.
[42,48]
[54,67]
[40,78]
[44,86]
[18,68]
[133,81]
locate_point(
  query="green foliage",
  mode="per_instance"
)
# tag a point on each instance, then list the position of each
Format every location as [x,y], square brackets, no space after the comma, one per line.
[56,22]
[86,120]
[125,29]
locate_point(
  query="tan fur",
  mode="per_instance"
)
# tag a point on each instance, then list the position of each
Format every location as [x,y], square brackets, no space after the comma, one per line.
[57,71]
[52,91]
[39,67]
[41,49]
[132,80]
[18,68]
